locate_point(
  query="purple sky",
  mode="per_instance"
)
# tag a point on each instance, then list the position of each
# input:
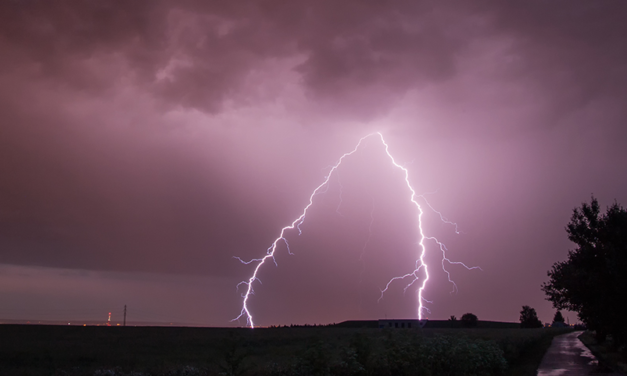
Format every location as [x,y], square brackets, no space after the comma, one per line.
[144,144]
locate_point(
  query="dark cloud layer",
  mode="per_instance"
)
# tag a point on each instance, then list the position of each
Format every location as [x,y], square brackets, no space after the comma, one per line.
[197,54]
[163,136]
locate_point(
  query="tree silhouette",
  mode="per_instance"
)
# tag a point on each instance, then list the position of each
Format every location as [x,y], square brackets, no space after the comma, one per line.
[558,317]
[529,318]
[469,320]
[592,281]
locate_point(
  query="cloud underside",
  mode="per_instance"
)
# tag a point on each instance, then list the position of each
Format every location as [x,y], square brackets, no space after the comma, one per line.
[357,57]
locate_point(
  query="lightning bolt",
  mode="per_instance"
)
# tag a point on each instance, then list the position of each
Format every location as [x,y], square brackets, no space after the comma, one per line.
[446,259]
[420,263]
[414,275]
[442,218]
[272,249]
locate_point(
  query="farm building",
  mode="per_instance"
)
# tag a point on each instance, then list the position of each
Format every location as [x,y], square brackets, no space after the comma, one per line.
[402,324]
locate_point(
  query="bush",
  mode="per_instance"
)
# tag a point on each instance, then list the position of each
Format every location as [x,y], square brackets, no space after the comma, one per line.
[469,320]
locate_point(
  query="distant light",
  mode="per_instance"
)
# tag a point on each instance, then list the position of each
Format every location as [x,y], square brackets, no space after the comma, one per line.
[84,324]
[68,323]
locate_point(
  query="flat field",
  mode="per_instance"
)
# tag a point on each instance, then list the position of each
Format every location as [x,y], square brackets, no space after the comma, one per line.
[190,351]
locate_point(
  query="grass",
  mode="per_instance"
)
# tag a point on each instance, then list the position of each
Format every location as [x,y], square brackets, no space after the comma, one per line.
[607,355]
[69,350]
[530,357]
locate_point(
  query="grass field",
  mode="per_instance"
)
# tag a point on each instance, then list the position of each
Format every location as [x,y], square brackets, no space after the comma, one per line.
[70,350]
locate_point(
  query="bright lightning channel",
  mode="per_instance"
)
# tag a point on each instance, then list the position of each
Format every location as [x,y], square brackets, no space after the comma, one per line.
[414,275]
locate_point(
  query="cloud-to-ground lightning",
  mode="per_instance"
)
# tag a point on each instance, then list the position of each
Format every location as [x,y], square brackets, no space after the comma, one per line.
[414,275]
[272,249]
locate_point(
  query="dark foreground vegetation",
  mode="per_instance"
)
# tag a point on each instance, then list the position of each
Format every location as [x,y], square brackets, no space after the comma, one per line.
[112,351]
[608,353]
[593,279]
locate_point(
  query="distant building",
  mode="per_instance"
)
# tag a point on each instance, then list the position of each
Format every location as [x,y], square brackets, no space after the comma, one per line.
[556,324]
[402,324]
[559,324]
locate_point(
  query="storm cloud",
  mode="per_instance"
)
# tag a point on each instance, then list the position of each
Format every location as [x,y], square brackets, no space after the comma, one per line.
[167,137]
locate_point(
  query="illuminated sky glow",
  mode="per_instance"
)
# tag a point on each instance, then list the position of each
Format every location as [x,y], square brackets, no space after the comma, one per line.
[414,275]
[144,144]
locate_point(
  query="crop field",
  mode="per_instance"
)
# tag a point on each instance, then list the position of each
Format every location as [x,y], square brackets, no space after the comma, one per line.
[189,351]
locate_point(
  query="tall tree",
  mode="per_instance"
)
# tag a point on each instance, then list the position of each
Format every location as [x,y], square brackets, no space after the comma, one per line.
[592,281]
[558,317]
[529,318]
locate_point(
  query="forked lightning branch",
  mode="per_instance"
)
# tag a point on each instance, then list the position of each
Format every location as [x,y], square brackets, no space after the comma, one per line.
[411,278]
